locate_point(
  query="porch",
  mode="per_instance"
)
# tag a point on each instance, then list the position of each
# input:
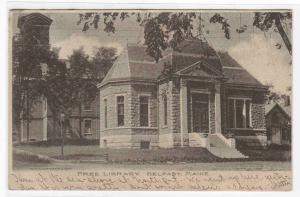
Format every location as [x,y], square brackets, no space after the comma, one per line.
[200,115]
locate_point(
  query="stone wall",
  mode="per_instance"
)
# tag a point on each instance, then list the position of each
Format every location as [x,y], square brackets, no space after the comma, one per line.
[164,91]
[143,90]
[131,135]
[167,132]
[110,93]
[212,111]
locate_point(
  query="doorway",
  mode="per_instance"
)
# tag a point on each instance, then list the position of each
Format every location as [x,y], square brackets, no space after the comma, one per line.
[200,113]
[276,135]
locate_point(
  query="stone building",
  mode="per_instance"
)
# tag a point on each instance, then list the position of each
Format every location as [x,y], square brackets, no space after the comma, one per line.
[192,97]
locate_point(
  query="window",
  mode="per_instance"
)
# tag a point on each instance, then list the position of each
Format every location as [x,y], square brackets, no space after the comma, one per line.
[120,110]
[105,113]
[144,110]
[165,100]
[239,113]
[87,106]
[87,126]
[145,144]
[45,105]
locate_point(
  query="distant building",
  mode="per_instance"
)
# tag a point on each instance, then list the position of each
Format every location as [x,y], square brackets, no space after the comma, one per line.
[278,123]
[39,125]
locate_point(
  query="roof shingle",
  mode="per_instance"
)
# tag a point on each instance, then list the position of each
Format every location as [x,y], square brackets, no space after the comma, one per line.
[135,63]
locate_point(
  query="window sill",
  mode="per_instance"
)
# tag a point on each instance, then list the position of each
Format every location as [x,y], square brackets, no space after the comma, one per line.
[144,127]
[250,128]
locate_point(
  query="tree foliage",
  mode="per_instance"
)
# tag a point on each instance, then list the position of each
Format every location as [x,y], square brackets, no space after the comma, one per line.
[267,21]
[69,85]
[168,29]
[27,55]
[102,61]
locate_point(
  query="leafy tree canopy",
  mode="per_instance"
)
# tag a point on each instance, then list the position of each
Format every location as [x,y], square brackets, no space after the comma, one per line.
[168,29]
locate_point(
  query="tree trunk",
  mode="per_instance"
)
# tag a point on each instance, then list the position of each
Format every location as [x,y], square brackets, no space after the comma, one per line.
[54,133]
[283,34]
[80,130]
[27,115]
[17,123]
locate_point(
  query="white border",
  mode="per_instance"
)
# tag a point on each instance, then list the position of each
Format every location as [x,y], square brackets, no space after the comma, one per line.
[162,4]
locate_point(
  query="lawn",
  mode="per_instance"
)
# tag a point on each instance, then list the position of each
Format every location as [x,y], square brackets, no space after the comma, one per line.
[175,159]
[170,166]
[55,151]
[93,152]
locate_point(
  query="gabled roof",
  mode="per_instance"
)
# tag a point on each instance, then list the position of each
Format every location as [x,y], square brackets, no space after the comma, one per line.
[135,63]
[235,73]
[34,18]
[285,109]
[200,69]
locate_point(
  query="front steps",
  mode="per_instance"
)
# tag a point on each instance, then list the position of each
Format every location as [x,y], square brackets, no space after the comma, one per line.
[221,149]
[228,153]
[217,145]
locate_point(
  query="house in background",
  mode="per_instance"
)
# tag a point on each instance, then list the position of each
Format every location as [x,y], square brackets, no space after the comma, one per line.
[278,123]
[192,97]
[39,125]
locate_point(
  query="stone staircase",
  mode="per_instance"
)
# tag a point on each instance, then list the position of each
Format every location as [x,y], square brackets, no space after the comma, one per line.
[221,149]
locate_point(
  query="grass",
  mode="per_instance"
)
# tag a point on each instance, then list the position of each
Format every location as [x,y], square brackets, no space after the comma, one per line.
[188,154]
[28,156]
[270,154]
[55,151]
[93,152]
[170,166]
[25,156]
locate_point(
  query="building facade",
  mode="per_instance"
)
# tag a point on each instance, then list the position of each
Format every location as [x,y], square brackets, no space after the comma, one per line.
[37,123]
[193,97]
[278,124]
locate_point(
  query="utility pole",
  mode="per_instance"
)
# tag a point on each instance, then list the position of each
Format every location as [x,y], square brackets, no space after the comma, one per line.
[62,133]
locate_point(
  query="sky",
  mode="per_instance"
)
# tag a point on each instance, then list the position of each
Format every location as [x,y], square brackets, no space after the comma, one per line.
[253,49]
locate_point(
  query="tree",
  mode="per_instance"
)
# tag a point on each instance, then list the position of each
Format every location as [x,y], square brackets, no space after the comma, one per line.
[83,81]
[102,61]
[27,56]
[68,87]
[266,21]
[54,86]
[168,29]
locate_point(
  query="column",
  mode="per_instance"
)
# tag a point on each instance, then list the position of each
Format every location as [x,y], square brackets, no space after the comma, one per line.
[217,108]
[45,119]
[183,111]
